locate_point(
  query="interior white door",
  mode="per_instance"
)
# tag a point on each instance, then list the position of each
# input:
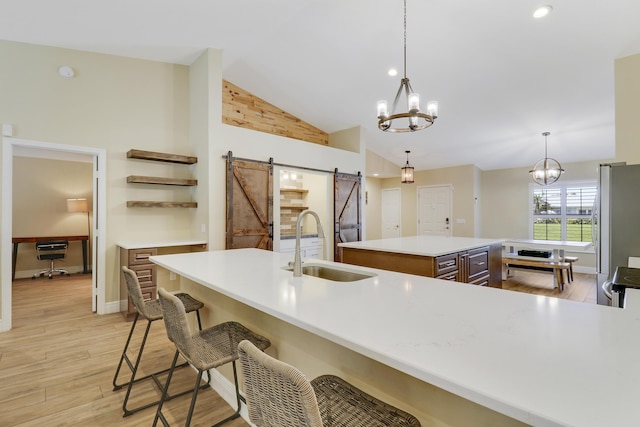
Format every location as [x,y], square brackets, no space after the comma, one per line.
[391,213]
[434,210]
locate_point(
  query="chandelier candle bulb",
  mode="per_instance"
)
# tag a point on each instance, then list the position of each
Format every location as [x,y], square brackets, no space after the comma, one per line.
[382,109]
[414,101]
[432,108]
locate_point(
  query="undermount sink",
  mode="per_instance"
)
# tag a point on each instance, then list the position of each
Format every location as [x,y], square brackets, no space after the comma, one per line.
[332,273]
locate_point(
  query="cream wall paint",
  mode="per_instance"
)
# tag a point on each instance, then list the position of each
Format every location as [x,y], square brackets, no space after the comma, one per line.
[347,139]
[627,91]
[461,178]
[505,205]
[123,103]
[381,166]
[373,208]
[113,103]
[41,188]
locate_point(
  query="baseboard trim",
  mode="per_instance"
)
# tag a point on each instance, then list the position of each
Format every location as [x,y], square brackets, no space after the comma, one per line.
[225,388]
[113,307]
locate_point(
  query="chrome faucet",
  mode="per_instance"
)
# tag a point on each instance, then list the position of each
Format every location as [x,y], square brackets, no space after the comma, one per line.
[297,262]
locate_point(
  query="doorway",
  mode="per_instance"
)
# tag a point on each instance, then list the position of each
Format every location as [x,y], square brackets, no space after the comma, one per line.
[391,213]
[12,147]
[434,210]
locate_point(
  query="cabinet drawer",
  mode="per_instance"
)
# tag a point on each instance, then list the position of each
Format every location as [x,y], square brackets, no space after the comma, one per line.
[149,293]
[146,274]
[446,264]
[449,276]
[141,256]
[481,280]
[478,263]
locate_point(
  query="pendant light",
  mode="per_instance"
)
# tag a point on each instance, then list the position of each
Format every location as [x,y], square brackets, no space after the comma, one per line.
[416,119]
[546,171]
[406,174]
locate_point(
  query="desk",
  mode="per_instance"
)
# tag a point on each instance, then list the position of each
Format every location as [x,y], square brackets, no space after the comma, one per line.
[17,240]
[558,247]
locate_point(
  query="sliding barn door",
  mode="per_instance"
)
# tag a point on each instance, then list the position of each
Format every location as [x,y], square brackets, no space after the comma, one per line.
[249,204]
[347,215]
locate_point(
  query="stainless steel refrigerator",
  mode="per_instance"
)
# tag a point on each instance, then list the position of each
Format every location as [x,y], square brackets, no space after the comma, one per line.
[616,220]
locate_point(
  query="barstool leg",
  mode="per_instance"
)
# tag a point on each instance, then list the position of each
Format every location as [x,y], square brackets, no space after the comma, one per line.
[238,399]
[134,371]
[124,356]
[165,390]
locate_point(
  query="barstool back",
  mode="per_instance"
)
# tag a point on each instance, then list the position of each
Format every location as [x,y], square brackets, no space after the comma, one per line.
[278,394]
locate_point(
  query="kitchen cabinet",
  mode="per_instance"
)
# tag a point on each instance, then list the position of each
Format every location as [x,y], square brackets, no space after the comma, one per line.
[480,265]
[138,260]
[310,247]
[136,255]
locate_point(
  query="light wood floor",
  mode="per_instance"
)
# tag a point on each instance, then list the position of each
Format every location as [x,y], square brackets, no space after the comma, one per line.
[583,288]
[57,363]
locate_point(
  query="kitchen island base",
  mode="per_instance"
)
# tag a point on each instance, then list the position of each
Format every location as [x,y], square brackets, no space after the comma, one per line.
[478,266]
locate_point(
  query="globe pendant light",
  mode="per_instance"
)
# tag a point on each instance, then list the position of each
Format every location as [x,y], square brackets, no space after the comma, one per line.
[546,171]
[416,119]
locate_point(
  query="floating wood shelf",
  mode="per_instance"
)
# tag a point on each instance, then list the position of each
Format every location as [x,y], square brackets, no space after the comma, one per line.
[138,179]
[293,207]
[161,157]
[293,190]
[147,204]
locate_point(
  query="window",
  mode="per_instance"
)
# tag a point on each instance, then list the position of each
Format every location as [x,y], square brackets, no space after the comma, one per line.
[563,212]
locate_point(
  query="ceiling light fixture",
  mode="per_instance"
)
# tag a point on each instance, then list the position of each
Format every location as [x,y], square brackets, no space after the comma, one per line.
[546,171]
[406,175]
[417,120]
[542,11]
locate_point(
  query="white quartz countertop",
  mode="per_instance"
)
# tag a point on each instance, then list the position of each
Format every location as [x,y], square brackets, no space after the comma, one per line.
[544,361]
[422,245]
[139,244]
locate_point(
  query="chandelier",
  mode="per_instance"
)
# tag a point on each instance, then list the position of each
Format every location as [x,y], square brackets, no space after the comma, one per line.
[546,171]
[407,172]
[416,119]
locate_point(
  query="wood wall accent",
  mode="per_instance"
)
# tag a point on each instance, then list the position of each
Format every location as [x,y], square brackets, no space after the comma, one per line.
[242,109]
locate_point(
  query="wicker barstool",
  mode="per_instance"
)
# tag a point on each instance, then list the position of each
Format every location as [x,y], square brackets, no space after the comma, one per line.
[204,350]
[151,311]
[279,395]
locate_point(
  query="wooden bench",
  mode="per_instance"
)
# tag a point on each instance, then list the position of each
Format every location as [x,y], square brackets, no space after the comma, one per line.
[570,260]
[542,265]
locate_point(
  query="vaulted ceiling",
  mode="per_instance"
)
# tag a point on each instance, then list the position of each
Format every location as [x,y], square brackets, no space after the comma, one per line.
[500,76]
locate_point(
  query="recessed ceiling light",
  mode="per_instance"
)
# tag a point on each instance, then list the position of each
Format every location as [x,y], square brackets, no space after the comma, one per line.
[392,72]
[542,11]
[376,174]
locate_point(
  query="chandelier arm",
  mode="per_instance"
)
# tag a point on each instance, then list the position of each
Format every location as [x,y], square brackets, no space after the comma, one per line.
[395,100]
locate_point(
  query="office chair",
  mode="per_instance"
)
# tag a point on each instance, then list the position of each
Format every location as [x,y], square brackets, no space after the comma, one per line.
[50,251]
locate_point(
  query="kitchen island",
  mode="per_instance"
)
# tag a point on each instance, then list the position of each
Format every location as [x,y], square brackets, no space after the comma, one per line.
[449,353]
[459,259]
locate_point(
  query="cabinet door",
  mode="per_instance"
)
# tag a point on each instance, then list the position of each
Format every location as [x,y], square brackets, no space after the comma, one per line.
[478,264]
[446,264]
